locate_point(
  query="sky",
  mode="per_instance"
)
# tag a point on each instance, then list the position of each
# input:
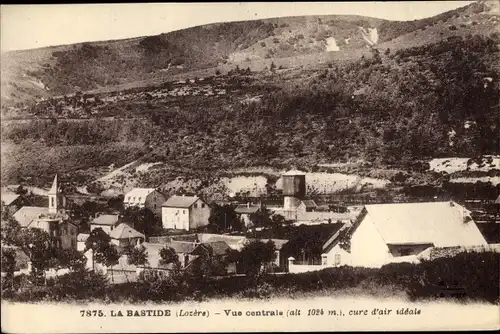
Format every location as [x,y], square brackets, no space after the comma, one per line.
[34,26]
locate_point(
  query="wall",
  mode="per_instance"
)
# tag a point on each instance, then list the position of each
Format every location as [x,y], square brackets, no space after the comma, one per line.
[175,218]
[368,249]
[199,214]
[69,234]
[302,268]
[345,257]
[41,224]
[154,202]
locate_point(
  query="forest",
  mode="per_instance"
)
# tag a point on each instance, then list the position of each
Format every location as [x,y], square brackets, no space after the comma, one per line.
[391,108]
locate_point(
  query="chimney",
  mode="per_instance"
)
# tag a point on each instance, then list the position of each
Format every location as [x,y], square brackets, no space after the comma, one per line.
[451,204]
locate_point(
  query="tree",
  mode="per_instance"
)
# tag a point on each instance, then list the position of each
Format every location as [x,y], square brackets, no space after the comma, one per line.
[116,203]
[72,259]
[262,218]
[255,254]
[143,219]
[38,245]
[109,258]
[8,264]
[98,241]
[137,256]
[21,190]
[168,255]
[10,230]
[225,218]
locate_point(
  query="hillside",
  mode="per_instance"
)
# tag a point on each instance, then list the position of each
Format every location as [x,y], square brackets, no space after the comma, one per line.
[294,41]
[371,117]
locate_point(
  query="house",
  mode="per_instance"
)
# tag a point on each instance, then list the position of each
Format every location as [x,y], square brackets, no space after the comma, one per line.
[149,198]
[307,206]
[81,238]
[105,222]
[52,219]
[238,242]
[123,236]
[244,211]
[402,232]
[185,213]
[11,199]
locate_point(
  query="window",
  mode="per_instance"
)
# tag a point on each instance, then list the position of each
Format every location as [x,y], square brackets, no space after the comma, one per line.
[52,201]
[405,251]
[129,198]
[183,212]
[140,199]
[202,205]
[154,206]
[134,199]
[195,205]
[337,259]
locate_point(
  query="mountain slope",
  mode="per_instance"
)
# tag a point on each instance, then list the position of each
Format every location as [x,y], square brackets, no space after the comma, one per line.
[53,71]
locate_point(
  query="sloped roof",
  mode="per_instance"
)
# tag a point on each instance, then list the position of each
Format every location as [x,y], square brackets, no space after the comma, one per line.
[8,198]
[294,172]
[279,243]
[123,231]
[82,237]
[440,223]
[218,247]
[108,220]
[233,241]
[497,200]
[27,214]
[244,209]
[335,238]
[180,201]
[141,193]
[309,203]
[54,189]
[182,246]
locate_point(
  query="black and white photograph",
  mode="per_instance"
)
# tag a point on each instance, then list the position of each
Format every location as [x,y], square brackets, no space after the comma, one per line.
[250,166]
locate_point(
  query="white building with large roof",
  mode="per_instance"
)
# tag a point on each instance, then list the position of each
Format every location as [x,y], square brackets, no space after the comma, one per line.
[149,198]
[185,213]
[386,233]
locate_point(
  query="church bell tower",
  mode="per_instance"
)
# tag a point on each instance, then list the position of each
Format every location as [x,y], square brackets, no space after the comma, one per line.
[57,201]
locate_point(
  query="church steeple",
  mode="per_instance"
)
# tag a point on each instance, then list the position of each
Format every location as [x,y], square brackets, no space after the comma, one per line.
[54,190]
[56,199]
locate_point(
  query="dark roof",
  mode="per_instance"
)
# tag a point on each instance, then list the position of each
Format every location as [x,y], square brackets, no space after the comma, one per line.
[309,203]
[218,247]
[180,201]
